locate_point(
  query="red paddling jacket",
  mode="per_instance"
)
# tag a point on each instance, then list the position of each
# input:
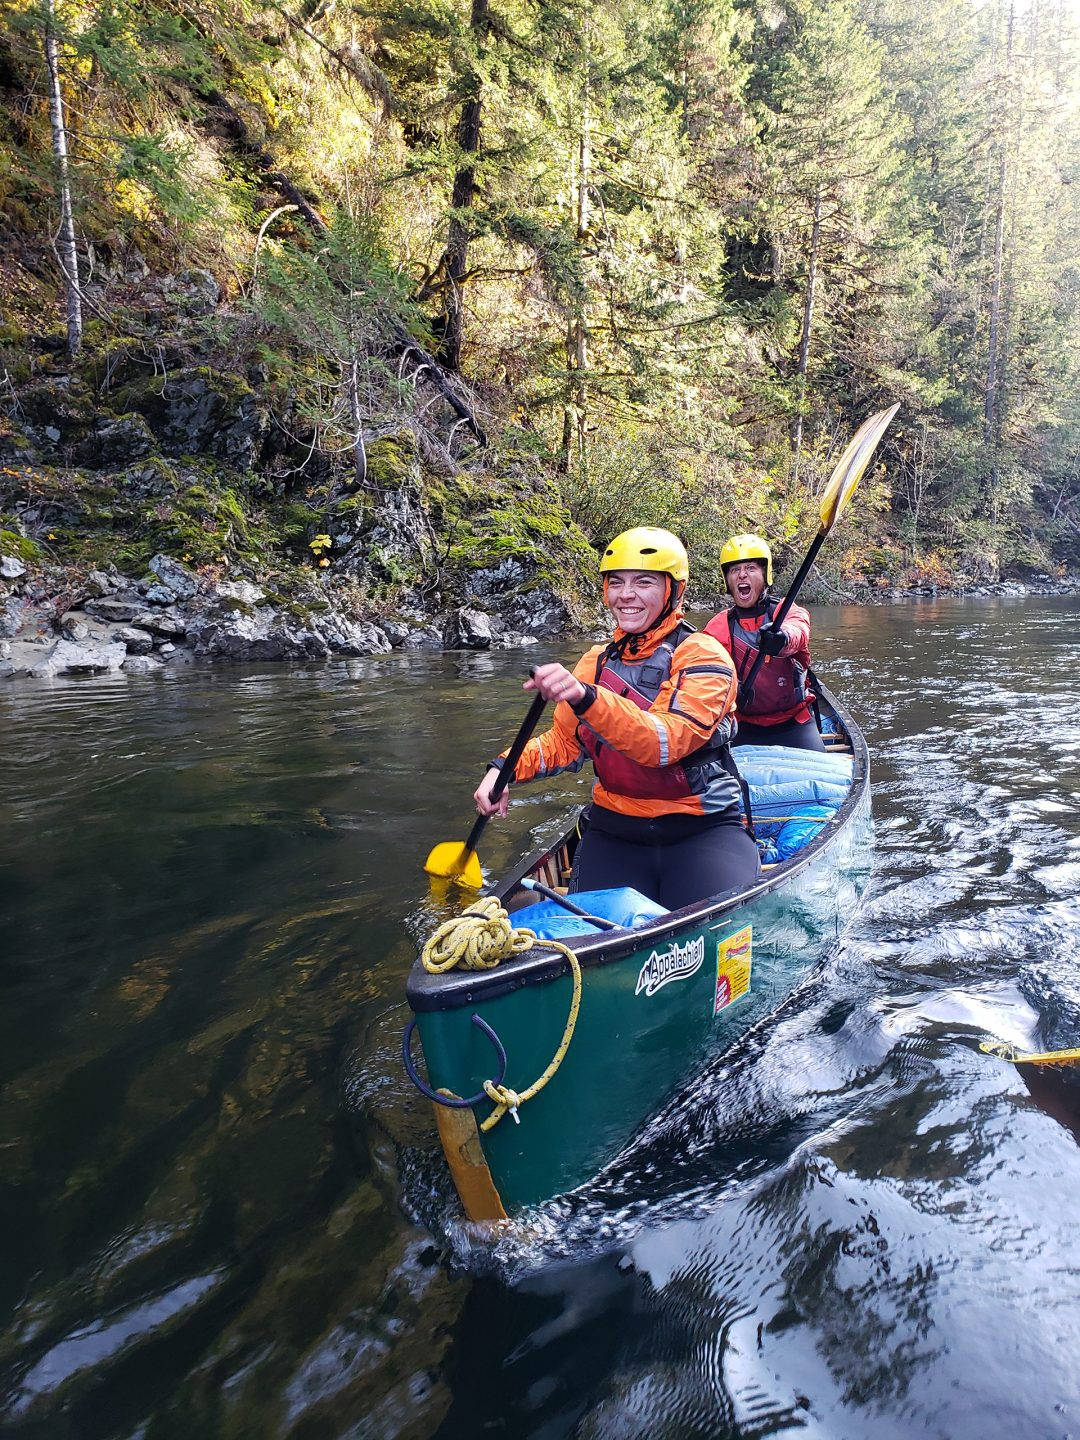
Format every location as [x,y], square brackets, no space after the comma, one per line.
[780,690]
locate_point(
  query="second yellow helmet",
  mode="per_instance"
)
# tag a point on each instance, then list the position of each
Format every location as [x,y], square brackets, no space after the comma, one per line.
[647,548]
[747,547]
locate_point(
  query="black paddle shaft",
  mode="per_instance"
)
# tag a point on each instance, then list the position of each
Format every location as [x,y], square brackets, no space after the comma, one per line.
[506,774]
[599,921]
[747,685]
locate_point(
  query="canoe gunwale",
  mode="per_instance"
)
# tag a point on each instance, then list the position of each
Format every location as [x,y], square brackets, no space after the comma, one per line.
[448,991]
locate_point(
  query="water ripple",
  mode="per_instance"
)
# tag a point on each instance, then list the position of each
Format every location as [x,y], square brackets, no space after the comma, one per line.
[231,1212]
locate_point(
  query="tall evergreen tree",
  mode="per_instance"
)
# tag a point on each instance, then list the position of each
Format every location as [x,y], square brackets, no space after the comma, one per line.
[833,144]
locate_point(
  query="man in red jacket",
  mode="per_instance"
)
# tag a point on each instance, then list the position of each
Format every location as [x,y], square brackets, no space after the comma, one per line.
[776,710]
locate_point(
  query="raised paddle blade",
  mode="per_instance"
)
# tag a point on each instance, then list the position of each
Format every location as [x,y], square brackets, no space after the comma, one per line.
[851,467]
[451,861]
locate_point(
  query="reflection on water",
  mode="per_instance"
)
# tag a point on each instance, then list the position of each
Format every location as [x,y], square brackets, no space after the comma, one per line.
[223,1211]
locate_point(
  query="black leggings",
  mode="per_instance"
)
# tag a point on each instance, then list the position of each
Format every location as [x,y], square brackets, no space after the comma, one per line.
[799,735]
[675,873]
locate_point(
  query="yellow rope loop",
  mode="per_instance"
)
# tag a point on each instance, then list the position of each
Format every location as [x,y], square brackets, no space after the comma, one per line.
[502,1095]
[501,1105]
[478,939]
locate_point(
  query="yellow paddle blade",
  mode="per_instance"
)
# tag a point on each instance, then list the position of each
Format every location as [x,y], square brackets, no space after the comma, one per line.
[1004,1051]
[451,861]
[852,465]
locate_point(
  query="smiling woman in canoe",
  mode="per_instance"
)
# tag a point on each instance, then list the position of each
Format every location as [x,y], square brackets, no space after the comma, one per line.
[654,711]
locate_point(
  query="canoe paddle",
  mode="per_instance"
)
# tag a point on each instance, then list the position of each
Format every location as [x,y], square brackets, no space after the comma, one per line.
[599,921]
[850,469]
[451,861]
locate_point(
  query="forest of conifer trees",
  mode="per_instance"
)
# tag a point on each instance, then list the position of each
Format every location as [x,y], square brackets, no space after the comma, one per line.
[670,252]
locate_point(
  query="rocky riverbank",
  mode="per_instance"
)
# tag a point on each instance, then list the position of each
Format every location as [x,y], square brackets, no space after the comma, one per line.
[898,595]
[52,624]
[171,493]
[109,621]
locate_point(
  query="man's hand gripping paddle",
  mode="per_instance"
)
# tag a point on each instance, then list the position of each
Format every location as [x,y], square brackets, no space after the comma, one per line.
[849,471]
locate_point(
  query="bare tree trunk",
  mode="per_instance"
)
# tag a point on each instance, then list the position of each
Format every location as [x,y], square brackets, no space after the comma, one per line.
[451,324]
[576,406]
[990,399]
[580,337]
[808,323]
[66,252]
[356,416]
[567,414]
[917,488]
[990,396]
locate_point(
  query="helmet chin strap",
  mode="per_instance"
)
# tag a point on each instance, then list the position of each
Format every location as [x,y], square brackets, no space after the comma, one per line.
[675,594]
[676,590]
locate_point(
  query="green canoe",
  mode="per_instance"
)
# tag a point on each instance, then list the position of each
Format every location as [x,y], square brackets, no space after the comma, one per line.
[657,1001]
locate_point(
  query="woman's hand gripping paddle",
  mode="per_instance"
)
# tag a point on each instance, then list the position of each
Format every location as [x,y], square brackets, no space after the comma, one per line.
[849,471]
[451,860]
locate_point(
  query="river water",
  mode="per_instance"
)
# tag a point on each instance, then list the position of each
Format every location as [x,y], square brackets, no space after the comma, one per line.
[221,1208]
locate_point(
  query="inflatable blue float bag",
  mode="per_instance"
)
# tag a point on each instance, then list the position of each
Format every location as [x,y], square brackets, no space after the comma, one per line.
[794,834]
[776,764]
[784,781]
[625,906]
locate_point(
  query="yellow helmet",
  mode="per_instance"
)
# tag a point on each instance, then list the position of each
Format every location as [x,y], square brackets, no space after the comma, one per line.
[747,547]
[646,548]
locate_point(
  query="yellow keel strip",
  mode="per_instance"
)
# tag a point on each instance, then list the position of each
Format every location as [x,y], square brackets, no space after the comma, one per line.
[465,1156]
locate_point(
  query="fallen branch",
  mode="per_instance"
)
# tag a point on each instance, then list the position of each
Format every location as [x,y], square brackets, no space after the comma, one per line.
[409,347]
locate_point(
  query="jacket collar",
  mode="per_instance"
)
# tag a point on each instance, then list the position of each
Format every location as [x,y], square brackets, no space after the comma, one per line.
[752,611]
[638,646]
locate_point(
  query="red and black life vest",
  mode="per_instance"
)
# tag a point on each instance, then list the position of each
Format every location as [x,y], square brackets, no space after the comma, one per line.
[780,683]
[708,773]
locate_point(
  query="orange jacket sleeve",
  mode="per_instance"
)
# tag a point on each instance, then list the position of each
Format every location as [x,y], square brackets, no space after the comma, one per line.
[558,749]
[698,694]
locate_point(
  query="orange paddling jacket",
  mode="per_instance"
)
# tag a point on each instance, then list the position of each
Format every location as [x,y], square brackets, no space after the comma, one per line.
[656,720]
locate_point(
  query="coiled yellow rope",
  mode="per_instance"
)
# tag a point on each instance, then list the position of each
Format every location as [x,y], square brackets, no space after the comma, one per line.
[478,939]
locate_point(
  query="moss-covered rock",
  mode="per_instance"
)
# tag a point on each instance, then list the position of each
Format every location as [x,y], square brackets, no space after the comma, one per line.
[138,450]
[151,478]
[514,535]
[115,440]
[59,408]
[18,545]
[16,447]
[206,519]
[200,410]
[108,362]
[391,460]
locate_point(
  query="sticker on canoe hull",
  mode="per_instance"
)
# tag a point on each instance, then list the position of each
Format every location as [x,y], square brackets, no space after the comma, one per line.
[677,962]
[733,957]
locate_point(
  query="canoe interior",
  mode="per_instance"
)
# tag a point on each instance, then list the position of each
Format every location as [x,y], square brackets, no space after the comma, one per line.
[657,1001]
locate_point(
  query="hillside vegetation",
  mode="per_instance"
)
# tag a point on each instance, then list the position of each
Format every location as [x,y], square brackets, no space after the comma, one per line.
[395,292]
